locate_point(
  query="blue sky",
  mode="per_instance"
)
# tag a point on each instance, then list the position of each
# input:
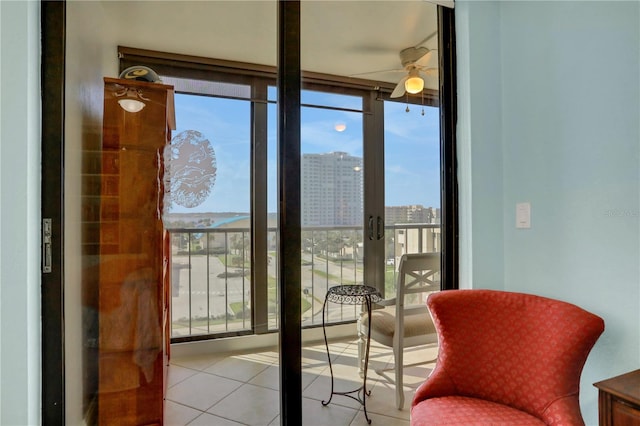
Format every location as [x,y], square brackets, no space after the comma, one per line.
[411,146]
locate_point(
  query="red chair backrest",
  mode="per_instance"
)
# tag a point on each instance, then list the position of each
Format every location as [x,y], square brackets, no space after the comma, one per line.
[517,349]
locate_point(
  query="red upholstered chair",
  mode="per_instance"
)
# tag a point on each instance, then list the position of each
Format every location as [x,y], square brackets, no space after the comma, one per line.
[505,359]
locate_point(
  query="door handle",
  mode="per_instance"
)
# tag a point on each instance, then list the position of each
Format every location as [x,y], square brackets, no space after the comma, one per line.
[380,228]
[371,228]
[46,245]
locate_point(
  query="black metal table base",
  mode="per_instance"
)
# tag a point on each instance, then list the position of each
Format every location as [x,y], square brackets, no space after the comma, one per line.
[351,294]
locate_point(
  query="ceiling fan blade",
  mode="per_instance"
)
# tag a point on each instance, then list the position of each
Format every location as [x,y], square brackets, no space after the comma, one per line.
[431,72]
[399,90]
[424,61]
[429,37]
[378,72]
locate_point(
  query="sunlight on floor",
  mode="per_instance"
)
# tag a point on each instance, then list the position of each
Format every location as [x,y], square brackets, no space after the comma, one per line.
[242,388]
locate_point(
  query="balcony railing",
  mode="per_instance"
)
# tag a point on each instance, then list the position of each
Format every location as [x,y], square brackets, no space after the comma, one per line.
[211,284]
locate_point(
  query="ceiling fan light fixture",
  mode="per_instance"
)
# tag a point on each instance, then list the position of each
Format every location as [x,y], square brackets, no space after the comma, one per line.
[131,105]
[414,84]
[131,99]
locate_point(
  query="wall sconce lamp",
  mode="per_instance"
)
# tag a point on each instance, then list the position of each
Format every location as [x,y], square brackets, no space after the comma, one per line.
[132,100]
[414,84]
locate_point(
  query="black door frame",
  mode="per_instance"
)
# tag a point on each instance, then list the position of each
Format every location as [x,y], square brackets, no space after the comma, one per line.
[449,213]
[53,23]
[289,245]
[53,29]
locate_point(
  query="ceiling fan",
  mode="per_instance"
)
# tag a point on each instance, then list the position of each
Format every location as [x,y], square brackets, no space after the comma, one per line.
[414,62]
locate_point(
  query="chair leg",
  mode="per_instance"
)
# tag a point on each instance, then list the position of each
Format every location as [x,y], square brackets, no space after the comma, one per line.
[398,359]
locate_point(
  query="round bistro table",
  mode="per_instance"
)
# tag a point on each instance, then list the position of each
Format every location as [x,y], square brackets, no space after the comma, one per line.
[353,294]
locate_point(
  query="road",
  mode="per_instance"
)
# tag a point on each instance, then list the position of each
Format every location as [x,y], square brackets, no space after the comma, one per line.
[238,288]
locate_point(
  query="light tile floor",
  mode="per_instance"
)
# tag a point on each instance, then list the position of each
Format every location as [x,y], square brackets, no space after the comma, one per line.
[242,388]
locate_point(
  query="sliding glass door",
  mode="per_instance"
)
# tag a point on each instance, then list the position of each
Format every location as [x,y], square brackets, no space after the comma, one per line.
[368,180]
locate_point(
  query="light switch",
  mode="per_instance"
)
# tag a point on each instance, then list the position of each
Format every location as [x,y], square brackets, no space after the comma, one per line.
[523,215]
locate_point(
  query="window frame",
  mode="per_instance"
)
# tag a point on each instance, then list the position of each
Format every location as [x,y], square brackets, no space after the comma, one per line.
[259,77]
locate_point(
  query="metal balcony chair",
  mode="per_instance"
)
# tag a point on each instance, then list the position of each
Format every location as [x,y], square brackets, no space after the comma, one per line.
[404,320]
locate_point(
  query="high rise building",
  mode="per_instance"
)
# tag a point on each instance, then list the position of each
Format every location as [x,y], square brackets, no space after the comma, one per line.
[332,191]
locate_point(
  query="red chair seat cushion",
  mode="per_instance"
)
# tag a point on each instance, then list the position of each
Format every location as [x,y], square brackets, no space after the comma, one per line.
[463,410]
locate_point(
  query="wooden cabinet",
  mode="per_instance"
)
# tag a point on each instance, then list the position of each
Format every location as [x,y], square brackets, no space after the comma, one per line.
[133,302]
[619,400]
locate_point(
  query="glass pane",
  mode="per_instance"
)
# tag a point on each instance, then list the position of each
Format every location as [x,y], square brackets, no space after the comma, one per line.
[331,202]
[117,353]
[412,184]
[332,205]
[343,171]
[208,203]
[272,213]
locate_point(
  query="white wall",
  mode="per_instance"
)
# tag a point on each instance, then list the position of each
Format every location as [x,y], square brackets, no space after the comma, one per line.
[19,213]
[480,163]
[549,113]
[91,54]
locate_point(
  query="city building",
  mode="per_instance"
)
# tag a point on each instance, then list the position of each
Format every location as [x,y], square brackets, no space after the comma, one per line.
[331,189]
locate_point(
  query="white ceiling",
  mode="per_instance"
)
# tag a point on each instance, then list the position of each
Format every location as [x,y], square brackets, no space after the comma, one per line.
[338,37]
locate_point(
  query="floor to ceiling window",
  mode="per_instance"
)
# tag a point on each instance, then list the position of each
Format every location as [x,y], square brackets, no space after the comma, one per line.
[215,289]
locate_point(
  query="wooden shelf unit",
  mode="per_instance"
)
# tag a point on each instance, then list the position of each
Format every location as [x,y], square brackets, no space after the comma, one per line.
[133,303]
